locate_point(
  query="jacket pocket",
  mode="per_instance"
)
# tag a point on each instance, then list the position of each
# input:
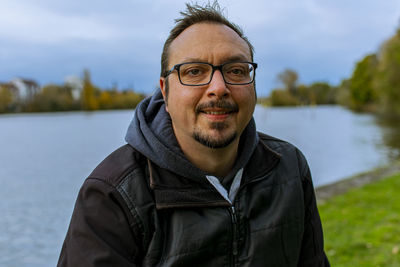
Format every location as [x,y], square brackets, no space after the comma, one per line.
[291,241]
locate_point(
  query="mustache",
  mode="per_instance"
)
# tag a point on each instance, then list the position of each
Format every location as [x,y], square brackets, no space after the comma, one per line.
[232,107]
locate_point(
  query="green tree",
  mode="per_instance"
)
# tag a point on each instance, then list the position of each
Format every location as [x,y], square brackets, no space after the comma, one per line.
[283,98]
[388,77]
[342,96]
[362,91]
[289,80]
[305,96]
[322,93]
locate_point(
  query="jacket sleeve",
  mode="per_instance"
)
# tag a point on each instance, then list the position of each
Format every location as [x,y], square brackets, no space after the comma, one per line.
[312,248]
[99,233]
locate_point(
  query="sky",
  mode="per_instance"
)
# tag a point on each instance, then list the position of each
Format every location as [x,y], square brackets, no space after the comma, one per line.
[120,41]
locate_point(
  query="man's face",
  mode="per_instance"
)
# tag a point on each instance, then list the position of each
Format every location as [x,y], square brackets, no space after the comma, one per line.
[215,114]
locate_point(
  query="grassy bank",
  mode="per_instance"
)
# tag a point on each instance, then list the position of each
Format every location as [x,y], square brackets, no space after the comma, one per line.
[362,226]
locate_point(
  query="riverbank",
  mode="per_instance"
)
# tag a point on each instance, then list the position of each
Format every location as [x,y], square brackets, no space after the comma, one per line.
[360,217]
[326,192]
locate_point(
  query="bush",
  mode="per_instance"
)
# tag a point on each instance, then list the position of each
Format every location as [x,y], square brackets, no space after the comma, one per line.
[283,98]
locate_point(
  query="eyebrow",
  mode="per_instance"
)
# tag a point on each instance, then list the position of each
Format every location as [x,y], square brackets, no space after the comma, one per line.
[234,58]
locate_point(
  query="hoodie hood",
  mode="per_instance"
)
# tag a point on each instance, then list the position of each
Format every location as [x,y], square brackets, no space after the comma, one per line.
[151,133]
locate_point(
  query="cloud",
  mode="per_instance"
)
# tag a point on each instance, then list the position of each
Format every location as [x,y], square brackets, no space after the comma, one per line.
[28,23]
[122,40]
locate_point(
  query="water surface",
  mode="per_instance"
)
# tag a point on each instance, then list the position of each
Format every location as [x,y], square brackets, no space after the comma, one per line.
[44,159]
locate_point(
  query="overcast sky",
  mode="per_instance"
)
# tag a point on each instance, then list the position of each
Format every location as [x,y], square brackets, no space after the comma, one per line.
[120,41]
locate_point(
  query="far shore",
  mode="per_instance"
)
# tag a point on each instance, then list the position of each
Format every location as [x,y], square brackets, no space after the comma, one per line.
[325,192]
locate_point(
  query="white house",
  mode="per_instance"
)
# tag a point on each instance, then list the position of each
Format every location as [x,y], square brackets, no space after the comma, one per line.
[76,85]
[25,89]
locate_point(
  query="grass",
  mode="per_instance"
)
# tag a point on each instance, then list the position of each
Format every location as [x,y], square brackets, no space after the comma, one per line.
[362,226]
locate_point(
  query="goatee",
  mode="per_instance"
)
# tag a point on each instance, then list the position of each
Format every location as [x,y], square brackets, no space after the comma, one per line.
[212,142]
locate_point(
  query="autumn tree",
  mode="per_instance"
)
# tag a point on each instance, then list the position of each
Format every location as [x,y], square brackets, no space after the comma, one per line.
[6,99]
[52,97]
[127,99]
[89,91]
[106,99]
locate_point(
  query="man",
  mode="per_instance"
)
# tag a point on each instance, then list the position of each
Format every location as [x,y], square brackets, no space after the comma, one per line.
[196,185]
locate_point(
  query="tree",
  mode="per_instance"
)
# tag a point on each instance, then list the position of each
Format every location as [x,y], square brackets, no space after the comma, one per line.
[89,101]
[305,95]
[106,100]
[52,98]
[342,96]
[283,98]
[322,93]
[387,81]
[6,99]
[289,80]
[362,91]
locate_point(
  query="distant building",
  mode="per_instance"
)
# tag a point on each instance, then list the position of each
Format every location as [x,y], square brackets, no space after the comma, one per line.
[76,85]
[23,89]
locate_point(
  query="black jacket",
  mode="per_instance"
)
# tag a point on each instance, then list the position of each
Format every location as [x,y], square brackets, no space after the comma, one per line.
[131,212]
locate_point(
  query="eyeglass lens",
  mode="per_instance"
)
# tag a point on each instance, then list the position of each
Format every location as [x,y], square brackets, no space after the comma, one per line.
[200,73]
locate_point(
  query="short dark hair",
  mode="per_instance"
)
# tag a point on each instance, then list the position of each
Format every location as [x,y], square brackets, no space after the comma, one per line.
[196,14]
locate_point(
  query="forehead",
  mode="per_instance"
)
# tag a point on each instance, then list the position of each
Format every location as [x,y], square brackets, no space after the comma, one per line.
[208,42]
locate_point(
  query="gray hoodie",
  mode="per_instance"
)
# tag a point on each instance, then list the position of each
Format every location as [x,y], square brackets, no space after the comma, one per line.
[151,133]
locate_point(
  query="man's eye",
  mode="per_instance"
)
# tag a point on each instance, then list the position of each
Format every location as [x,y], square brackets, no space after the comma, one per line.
[237,71]
[193,72]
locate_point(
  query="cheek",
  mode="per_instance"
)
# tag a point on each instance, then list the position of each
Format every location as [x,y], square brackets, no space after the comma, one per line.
[181,106]
[185,101]
[246,100]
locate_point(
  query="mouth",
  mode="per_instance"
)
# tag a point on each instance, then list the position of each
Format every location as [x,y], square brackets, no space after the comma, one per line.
[216,112]
[217,108]
[217,115]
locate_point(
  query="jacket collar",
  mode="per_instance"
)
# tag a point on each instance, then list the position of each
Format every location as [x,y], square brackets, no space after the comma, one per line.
[174,191]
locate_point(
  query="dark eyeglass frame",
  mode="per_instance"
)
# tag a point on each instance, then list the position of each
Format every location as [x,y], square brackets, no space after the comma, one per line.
[218,67]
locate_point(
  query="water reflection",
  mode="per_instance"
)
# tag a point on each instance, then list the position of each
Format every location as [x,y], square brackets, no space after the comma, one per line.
[337,142]
[390,135]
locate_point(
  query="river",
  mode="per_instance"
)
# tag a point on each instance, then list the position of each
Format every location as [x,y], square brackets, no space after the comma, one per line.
[44,159]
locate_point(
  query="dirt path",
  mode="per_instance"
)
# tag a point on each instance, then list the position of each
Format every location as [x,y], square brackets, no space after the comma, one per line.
[325,192]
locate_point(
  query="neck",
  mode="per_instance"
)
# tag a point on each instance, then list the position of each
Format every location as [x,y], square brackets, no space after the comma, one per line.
[217,162]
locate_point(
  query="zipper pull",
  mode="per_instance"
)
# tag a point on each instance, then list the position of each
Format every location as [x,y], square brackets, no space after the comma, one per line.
[234,248]
[233,209]
[235,243]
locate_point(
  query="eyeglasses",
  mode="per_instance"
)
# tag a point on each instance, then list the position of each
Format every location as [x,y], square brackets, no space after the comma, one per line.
[200,73]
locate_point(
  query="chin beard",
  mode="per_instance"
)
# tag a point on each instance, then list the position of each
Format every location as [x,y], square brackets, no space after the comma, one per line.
[210,140]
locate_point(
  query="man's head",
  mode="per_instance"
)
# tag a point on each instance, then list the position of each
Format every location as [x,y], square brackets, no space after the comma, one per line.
[197,14]
[214,112]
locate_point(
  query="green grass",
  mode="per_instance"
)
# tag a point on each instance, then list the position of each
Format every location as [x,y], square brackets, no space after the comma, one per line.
[362,227]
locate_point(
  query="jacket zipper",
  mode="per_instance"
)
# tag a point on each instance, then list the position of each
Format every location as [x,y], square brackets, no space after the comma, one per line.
[232,212]
[234,236]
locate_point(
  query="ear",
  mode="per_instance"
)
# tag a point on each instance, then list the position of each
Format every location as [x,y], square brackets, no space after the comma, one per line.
[164,92]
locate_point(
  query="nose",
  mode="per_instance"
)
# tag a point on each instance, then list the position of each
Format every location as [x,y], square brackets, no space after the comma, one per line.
[217,86]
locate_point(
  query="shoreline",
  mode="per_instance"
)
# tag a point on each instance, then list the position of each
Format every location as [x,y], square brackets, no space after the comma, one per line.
[326,192]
